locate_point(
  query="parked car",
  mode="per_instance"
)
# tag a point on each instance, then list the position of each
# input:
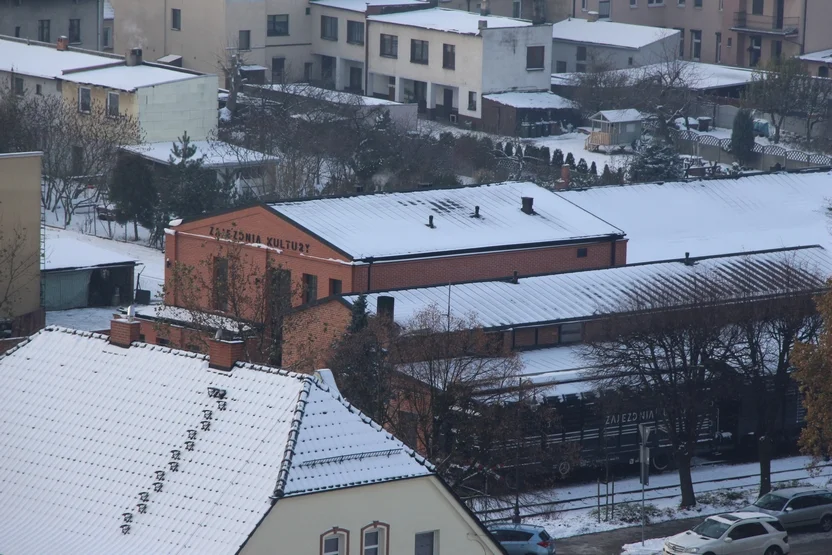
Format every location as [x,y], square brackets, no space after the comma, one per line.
[737,533]
[796,507]
[523,539]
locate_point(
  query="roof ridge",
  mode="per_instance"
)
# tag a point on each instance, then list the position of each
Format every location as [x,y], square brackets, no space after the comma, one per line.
[291,441]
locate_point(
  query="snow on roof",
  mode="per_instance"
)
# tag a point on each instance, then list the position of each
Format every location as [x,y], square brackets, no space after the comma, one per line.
[85,319]
[98,437]
[620,116]
[175,314]
[109,12]
[556,370]
[531,100]
[822,56]
[68,251]
[587,294]
[336,97]
[608,33]
[696,75]
[396,224]
[128,78]
[46,61]
[218,154]
[361,5]
[715,217]
[450,21]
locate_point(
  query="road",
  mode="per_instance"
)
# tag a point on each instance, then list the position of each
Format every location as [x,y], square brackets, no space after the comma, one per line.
[609,543]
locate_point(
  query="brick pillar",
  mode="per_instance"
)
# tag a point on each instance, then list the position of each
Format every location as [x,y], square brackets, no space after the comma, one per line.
[565,178]
[222,355]
[124,332]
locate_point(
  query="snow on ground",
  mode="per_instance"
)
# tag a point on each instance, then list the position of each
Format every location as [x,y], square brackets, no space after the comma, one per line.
[87,319]
[574,143]
[650,547]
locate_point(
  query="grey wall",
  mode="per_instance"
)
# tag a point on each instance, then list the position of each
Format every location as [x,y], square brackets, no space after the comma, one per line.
[58,12]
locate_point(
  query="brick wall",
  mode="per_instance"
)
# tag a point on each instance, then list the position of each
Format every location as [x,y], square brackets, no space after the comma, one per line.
[309,335]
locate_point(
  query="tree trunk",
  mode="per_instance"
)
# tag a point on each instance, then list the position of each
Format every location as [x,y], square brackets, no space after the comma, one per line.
[135,230]
[764,450]
[685,480]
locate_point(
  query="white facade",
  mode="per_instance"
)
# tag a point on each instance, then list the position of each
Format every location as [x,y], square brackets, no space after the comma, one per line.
[166,111]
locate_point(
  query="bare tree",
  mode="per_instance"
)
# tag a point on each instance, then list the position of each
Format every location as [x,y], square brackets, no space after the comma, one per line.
[817,95]
[778,90]
[18,260]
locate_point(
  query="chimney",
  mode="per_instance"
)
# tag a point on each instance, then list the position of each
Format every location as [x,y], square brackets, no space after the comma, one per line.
[63,43]
[430,222]
[592,16]
[688,261]
[385,307]
[125,331]
[476,211]
[485,9]
[482,24]
[565,178]
[528,205]
[134,57]
[222,354]
[514,278]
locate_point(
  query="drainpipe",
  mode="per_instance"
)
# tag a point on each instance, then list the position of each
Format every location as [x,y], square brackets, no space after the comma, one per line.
[366,55]
[100,17]
[612,251]
[369,272]
[573,9]
[803,33]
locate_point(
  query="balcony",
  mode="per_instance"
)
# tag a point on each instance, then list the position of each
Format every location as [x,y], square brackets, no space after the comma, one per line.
[745,22]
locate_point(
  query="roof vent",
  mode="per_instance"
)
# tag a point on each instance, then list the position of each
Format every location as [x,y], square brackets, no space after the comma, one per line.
[430,222]
[528,205]
[477,212]
[134,57]
[482,23]
[688,261]
[514,278]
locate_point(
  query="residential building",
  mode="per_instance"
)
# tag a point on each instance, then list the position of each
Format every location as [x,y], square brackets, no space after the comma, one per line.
[108,29]
[251,459]
[745,33]
[81,21]
[535,10]
[585,44]
[21,311]
[818,63]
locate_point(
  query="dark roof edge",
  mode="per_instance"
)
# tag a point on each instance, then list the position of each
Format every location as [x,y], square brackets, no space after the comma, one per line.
[291,442]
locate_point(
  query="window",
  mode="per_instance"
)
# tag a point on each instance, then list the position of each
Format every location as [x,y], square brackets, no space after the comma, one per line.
[84,100]
[718,54]
[757,7]
[697,3]
[374,539]
[581,55]
[754,51]
[682,3]
[634,3]
[681,41]
[310,288]
[425,543]
[721,5]
[418,51]
[38,90]
[534,57]
[823,71]
[472,101]
[448,56]
[106,37]
[43,30]
[776,525]
[220,283]
[355,32]
[695,45]
[74,31]
[307,71]
[18,86]
[571,333]
[278,68]
[730,41]
[17,31]
[389,47]
[630,61]
[804,502]
[583,5]
[277,25]
[112,104]
[560,67]
[335,542]
[335,286]
[582,252]
[329,27]
[244,40]
[176,19]
[515,9]
[776,49]
[655,2]
[749,530]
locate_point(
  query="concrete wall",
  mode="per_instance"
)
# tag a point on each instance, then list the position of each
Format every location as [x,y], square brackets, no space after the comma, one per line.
[612,57]
[408,507]
[504,59]
[30,83]
[818,22]
[166,110]
[58,12]
[143,25]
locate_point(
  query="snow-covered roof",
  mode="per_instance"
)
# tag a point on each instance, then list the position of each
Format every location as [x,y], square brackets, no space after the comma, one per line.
[46,61]
[396,224]
[109,12]
[128,78]
[542,100]
[821,56]
[97,438]
[556,370]
[608,33]
[66,251]
[695,75]
[450,21]
[587,294]
[715,217]
[336,97]
[620,116]
[362,5]
[218,154]
[178,315]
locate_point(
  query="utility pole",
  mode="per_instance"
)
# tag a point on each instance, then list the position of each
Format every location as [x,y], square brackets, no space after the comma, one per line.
[644,463]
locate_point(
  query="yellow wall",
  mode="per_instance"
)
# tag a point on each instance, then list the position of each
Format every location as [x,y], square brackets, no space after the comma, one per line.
[295,524]
[127,104]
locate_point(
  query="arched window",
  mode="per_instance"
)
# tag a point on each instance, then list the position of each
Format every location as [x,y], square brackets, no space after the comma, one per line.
[375,539]
[823,71]
[335,542]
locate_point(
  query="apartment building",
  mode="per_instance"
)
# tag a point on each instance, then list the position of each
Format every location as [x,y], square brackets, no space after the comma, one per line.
[746,33]
[81,21]
[536,10]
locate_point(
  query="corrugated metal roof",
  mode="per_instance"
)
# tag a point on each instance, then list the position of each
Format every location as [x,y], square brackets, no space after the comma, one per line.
[396,224]
[582,295]
[96,437]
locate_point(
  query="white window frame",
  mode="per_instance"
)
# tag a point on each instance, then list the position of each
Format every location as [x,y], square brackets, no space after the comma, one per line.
[110,96]
[343,537]
[695,40]
[380,547]
[176,25]
[81,102]
[634,3]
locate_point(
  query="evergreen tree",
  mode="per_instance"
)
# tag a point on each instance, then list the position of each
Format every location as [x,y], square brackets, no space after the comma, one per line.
[570,160]
[133,192]
[607,178]
[557,158]
[593,169]
[358,315]
[582,167]
[742,136]
[487,144]
[509,150]
[656,161]
[545,155]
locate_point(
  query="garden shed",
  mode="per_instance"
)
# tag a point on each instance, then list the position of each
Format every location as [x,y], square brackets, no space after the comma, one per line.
[614,128]
[527,114]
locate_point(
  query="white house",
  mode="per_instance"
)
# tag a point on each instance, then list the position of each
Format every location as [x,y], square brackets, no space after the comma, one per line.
[580,44]
[114,446]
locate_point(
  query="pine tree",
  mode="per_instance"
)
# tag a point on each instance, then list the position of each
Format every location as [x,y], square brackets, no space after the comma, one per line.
[509,150]
[570,160]
[582,167]
[742,136]
[133,192]
[593,169]
[545,155]
[557,158]
[657,161]
[358,315]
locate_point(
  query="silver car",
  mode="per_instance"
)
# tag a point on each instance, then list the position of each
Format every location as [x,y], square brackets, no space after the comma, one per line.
[523,539]
[796,507]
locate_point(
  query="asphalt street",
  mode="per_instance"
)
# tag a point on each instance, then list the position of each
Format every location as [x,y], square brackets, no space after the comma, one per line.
[807,542]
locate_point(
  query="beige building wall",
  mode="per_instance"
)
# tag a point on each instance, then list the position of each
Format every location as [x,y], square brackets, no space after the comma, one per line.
[20,213]
[409,507]
[127,102]
[553,10]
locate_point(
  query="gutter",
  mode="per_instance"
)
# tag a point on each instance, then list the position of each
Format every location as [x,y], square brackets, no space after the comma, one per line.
[803,32]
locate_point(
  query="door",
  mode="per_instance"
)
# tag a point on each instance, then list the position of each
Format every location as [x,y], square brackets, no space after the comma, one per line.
[802,511]
[747,539]
[448,101]
[778,13]
[356,79]
[425,544]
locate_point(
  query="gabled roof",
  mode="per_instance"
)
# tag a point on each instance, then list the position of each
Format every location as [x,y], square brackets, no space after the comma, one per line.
[587,294]
[148,450]
[608,33]
[449,21]
[396,224]
[619,116]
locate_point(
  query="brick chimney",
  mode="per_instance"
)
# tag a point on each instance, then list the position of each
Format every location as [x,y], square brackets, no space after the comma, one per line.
[565,178]
[223,354]
[63,43]
[124,331]
[527,205]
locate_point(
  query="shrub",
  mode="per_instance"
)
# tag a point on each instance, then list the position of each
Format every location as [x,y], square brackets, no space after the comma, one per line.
[557,158]
[570,160]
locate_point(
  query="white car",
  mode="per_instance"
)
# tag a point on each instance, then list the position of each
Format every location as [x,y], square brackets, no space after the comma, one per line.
[732,534]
